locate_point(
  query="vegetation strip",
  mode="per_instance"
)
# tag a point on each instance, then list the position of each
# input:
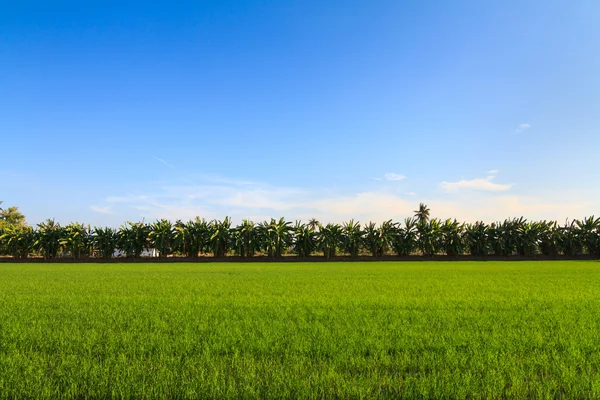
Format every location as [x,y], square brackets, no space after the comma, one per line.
[278,238]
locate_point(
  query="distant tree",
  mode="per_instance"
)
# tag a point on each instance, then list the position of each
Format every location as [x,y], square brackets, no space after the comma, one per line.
[423,213]
[11,216]
[313,224]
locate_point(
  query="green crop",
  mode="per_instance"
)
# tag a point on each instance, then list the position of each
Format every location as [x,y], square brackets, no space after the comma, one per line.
[301,330]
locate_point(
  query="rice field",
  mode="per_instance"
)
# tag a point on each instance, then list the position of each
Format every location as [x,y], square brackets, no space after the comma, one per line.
[301,330]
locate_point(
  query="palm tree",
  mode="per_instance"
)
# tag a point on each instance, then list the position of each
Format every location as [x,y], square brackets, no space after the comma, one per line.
[105,241]
[423,213]
[313,224]
[161,237]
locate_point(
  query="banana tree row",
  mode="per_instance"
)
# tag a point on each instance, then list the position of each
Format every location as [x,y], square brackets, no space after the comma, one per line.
[275,238]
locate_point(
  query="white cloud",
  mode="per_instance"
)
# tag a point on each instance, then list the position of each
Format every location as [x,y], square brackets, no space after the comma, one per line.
[483,184]
[101,210]
[493,171]
[522,127]
[258,201]
[377,179]
[390,176]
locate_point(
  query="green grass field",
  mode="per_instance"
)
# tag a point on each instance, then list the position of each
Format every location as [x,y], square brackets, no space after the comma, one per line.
[296,330]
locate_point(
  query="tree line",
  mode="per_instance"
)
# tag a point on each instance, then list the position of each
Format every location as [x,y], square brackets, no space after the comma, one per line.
[419,234]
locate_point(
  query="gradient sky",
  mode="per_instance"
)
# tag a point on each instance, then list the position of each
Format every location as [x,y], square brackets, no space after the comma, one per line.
[120,111]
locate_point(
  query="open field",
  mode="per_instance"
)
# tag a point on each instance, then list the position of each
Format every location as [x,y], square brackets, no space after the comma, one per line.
[300,330]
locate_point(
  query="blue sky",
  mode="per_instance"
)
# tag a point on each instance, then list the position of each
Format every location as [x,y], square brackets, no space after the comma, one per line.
[120,111]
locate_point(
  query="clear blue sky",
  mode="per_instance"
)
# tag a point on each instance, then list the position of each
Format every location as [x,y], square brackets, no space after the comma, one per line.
[119,111]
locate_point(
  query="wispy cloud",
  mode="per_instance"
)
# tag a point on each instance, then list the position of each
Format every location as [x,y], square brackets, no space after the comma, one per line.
[521,128]
[390,176]
[476,199]
[493,171]
[102,210]
[482,184]
[164,162]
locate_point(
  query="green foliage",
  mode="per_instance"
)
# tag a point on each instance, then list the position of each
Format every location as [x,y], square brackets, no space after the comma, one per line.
[18,241]
[161,237]
[220,236]
[304,239]
[132,238]
[49,238]
[76,240]
[276,236]
[246,239]
[430,239]
[329,237]
[192,237]
[426,330]
[404,239]
[105,241]
[352,237]
[11,217]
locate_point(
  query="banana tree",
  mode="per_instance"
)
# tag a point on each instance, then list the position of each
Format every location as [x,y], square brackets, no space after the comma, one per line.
[590,233]
[352,237]
[570,239]
[18,241]
[404,238]
[220,238]
[528,237]
[76,240]
[161,237]
[276,236]
[451,235]
[378,239]
[192,237]
[549,238]
[48,238]
[246,239]
[104,240]
[328,239]
[430,237]
[477,238]
[133,238]
[504,237]
[304,239]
